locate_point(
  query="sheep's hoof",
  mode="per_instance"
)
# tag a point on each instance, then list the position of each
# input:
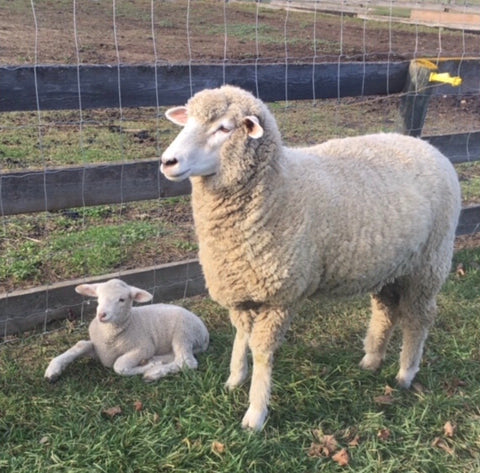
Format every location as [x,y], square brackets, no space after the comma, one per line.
[371,362]
[404,378]
[52,378]
[254,419]
[234,381]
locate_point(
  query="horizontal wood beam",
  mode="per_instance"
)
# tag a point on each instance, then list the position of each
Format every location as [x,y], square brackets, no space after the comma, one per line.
[24,310]
[135,86]
[55,189]
[459,148]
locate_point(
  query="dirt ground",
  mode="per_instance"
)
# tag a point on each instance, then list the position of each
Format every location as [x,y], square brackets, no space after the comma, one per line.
[206,31]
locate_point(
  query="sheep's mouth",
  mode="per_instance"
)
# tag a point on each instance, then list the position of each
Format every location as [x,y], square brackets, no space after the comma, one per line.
[180,176]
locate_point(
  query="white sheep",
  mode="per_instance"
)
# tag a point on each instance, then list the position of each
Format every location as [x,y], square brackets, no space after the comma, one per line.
[370,214]
[153,340]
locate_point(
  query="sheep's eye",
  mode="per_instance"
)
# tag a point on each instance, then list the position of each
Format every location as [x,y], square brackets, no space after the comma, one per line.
[223,129]
[121,299]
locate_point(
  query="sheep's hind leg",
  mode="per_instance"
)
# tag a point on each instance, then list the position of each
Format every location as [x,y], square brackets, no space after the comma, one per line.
[238,361]
[267,333]
[83,348]
[418,314]
[383,320]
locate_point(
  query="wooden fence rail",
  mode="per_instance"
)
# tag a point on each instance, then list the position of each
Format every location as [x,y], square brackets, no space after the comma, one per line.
[69,87]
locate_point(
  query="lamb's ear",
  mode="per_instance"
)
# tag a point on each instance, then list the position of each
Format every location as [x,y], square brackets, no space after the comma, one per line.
[254,128]
[177,115]
[139,295]
[87,289]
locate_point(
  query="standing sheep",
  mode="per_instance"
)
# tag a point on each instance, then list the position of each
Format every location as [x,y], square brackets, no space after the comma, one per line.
[371,214]
[164,337]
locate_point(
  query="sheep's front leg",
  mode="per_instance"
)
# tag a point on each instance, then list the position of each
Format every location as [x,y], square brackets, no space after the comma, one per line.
[238,361]
[268,330]
[58,364]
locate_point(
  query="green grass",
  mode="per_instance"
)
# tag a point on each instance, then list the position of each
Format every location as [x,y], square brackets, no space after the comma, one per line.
[317,388]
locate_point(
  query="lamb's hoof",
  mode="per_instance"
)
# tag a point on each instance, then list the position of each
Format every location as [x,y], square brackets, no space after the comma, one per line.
[52,378]
[371,362]
[254,419]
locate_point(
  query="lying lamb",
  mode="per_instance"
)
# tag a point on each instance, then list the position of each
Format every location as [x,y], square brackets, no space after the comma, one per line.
[372,214]
[152,340]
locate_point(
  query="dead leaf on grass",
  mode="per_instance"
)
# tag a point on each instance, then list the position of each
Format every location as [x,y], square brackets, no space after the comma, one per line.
[341,457]
[355,442]
[218,447]
[384,400]
[460,270]
[443,445]
[449,429]
[112,411]
[325,447]
[384,434]
[138,406]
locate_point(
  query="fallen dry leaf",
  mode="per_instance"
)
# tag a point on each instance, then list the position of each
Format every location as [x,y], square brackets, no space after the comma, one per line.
[355,442]
[442,444]
[112,411]
[385,400]
[341,457]
[460,270]
[138,405]
[388,390]
[325,447]
[449,429]
[156,417]
[218,447]
[384,434]
[44,440]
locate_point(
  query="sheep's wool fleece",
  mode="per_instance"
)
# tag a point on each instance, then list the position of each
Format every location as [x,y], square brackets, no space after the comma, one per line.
[276,224]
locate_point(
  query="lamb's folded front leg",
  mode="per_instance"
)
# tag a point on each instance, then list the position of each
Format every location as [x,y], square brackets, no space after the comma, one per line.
[56,367]
[268,330]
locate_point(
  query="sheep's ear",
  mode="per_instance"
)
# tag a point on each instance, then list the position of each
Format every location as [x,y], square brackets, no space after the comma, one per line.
[87,289]
[139,295]
[177,115]
[253,126]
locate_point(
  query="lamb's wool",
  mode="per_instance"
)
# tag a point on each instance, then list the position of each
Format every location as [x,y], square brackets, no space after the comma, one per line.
[152,340]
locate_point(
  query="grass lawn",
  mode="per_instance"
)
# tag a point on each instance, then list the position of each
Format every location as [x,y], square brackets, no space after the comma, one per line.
[189,423]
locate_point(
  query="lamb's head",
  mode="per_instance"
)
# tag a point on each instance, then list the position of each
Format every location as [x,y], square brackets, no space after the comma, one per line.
[223,129]
[115,299]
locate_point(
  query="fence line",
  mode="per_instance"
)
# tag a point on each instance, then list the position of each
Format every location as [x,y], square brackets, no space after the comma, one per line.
[62,188]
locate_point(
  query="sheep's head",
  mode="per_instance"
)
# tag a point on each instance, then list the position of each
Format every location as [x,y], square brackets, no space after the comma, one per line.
[115,299]
[220,125]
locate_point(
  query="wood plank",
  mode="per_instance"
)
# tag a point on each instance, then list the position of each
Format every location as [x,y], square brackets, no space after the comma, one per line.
[469,220]
[101,88]
[459,148]
[55,189]
[24,310]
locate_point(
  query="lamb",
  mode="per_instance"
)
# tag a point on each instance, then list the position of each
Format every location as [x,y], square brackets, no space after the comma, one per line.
[153,340]
[370,214]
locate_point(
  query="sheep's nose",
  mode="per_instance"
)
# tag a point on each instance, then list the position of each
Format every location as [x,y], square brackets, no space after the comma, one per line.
[102,316]
[166,162]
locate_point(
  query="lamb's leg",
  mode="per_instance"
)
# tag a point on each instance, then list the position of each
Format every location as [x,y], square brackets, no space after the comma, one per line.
[238,361]
[267,333]
[182,358]
[383,320]
[55,368]
[129,364]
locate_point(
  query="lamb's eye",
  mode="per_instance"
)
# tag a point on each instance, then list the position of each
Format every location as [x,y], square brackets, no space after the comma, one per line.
[121,299]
